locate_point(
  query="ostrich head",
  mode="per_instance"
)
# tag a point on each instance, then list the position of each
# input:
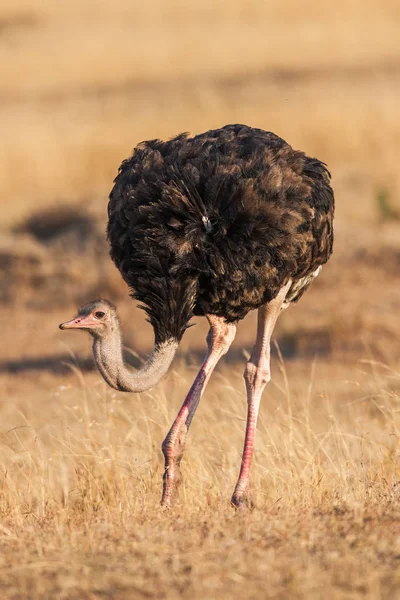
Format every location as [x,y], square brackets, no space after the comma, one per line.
[99,318]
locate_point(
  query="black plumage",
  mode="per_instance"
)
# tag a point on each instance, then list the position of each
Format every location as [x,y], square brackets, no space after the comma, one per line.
[217,224]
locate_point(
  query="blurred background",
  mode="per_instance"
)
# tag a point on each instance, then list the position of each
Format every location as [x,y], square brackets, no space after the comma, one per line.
[81,83]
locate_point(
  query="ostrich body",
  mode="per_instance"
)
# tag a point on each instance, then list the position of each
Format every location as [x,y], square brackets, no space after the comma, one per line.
[217,225]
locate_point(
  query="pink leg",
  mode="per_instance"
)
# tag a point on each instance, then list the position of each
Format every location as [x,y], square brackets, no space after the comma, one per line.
[257,375]
[219,339]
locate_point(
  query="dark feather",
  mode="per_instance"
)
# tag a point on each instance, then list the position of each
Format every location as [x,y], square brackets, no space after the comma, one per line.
[217,224]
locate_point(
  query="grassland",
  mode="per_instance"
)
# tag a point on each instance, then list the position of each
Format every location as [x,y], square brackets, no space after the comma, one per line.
[80,466]
[81,472]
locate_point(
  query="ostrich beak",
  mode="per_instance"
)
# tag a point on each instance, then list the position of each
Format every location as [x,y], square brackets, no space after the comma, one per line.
[80,322]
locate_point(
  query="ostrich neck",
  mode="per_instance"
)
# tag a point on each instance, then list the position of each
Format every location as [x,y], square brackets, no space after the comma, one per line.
[110,362]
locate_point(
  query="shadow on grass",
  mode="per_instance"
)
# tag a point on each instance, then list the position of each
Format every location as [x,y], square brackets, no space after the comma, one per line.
[291,346]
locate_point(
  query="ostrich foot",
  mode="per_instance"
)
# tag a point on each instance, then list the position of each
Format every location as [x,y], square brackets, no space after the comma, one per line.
[241,499]
[171,481]
[173,447]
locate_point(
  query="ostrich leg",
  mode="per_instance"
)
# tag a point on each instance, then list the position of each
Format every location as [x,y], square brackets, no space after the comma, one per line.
[257,375]
[219,339]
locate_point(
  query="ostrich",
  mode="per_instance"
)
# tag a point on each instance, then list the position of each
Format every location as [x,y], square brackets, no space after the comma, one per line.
[216,225]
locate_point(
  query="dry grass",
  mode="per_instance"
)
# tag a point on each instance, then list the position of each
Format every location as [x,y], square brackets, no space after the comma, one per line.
[80,489]
[80,466]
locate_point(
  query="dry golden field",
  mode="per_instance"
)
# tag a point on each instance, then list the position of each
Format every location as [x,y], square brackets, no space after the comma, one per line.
[80,465]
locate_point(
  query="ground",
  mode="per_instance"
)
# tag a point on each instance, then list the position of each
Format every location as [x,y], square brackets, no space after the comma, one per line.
[81,482]
[80,464]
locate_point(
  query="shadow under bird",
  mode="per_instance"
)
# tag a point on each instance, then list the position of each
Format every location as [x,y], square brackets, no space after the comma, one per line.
[218,224]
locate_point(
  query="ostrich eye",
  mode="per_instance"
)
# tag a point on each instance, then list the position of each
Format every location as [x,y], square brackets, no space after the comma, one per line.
[99,314]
